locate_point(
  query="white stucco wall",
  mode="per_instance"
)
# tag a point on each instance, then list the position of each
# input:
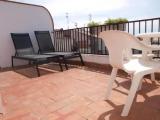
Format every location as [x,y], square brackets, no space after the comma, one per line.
[20,18]
[100,59]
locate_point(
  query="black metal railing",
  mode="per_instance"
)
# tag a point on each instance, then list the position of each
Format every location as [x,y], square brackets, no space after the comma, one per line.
[87,37]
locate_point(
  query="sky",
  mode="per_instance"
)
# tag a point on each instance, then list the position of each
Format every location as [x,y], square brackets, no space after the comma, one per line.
[80,12]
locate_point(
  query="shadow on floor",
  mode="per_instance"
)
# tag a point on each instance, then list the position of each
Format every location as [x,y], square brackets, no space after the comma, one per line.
[106,70]
[45,69]
[147,110]
[147,86]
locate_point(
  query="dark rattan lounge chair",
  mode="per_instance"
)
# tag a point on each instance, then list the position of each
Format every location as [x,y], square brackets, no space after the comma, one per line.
[46,47]
[24,50]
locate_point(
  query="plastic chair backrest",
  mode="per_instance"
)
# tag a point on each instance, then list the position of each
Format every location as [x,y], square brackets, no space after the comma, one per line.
[120,45]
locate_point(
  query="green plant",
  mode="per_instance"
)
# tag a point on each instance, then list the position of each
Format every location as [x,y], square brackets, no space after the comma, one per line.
[115,21]
[92,24]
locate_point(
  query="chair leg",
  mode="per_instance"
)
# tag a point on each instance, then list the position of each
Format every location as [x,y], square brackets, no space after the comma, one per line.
[65,63]
[12,62]
[38,73]
[29,63]
[1,106]
[152,77]
[60,64]
[82,62]
[140,84]
[134,87]
[110,84]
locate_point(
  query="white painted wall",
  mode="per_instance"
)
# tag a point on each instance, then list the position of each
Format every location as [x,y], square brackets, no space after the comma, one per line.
[20,18]
[100,59]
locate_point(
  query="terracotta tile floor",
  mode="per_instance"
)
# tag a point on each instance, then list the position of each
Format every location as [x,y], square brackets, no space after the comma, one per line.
[75,94]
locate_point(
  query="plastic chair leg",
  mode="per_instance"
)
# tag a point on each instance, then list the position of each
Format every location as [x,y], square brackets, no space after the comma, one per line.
[140,84]
[135,84]
[1,106]
[110,84]
[152,77]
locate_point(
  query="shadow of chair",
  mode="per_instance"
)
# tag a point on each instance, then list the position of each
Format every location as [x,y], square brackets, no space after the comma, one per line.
[147,110]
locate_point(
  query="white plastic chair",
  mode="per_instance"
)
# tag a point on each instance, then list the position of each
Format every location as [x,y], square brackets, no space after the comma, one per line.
[145,39]
[120,45]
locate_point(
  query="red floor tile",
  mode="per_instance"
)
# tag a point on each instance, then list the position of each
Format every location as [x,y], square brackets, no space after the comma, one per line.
[75,94]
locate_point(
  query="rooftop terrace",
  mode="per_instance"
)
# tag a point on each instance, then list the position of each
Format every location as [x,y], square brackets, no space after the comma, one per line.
[80,92]
[75,94]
